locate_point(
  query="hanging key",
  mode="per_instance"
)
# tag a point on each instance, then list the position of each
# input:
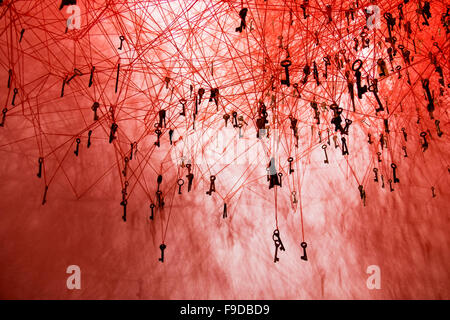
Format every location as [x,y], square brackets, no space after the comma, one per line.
[183,106]
[212,186]
[44,199]
[294,198]
[306,71]
[304,245]
[15,91]
[362,194]
[423,134]
[344,146]
[89,138]
[394,173]
[162,247]
[224,215]
[278,244]
[316,73]
[158,134]
[159,181]
[152,207]
[190,178]
[324,147]
[374,89]
[180,184]
[122,39]
[167,81]
[335,141]
[426,86]
[348,122]
[290,160]
[4,111]
[91,77]
[390,185]
[41,162]
[114,128]
[379,156]
[160,199]
[356,67]
[94,108]
[327,63]
[78,141]
[235,124]
[405,135]
[382,181]
[162,118]
[375,171]
[226,117]
[124,203]
[286,64]
[10,75]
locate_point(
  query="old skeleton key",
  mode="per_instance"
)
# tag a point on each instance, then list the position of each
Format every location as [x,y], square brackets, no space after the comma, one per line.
[278,244]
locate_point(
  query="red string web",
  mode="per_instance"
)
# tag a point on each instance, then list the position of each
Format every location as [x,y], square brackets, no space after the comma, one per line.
[108,83]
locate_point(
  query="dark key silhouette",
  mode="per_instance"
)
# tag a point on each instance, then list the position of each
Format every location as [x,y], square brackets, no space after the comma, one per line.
[44,199]
[158,134]
[162,247]
[183,106]
[122,39]
[152,207]
[91,77]
[63,86]
[77,150]
[162,118]
[356,67]
[278,244]
[180,183]
[190,178]
[41,162]
[212,186]
[124,203]
[89,138]
[170,136]
[344,146]
[21,35]
[374,89]
[10,75]
[286,64]
[405,135]
[4,111]
[394,173]
[113,131]
[290,159]
[304,245]
[226,117]
[117,78]
[324,147]
[94,108]
[423,134]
